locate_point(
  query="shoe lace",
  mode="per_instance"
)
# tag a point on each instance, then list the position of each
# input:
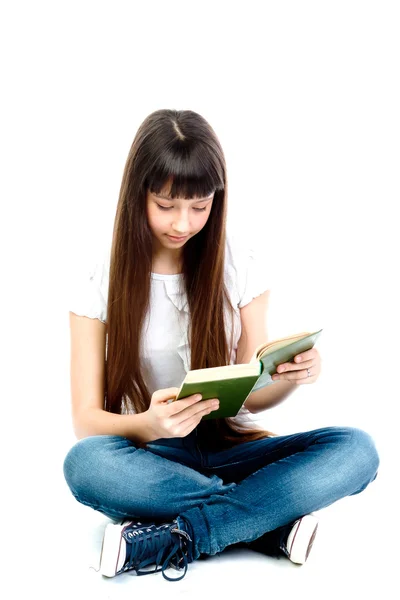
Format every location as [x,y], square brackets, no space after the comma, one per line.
[155,544]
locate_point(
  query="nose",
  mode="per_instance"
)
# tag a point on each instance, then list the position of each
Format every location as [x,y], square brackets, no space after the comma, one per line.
[181,224]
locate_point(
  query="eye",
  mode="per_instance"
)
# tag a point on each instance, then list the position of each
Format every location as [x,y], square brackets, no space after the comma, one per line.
[169,208]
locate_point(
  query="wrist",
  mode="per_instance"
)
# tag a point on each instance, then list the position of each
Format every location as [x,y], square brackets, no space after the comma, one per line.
[147,432]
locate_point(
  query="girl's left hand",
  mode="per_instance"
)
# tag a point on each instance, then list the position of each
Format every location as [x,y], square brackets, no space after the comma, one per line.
[305,368]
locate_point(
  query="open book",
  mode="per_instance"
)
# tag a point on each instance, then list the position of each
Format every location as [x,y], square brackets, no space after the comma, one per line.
[233,383]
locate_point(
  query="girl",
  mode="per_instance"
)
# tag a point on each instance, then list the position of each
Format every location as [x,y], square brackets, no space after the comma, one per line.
[177,292]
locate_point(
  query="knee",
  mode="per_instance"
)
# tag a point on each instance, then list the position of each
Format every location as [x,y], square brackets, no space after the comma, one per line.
[85,461]
[80,461]
[361,455]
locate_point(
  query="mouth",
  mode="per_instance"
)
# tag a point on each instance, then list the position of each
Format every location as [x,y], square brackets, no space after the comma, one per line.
[177,239]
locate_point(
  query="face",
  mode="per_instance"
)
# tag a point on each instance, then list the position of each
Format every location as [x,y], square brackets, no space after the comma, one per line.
[178,217]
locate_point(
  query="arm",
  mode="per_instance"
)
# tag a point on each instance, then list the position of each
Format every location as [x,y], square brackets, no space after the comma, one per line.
[269,396]
[88,343]
[253,318]
[96,421]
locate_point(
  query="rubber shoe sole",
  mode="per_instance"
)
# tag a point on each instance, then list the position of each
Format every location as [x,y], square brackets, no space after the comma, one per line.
[113,550]
[301,539]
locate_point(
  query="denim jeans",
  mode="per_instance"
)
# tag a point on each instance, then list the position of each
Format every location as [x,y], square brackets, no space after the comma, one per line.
[230,496]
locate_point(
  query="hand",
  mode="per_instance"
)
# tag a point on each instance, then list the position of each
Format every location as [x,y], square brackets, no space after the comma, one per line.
[176,419]
[296,371]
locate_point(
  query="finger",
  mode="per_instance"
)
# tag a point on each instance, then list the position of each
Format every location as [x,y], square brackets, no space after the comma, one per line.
[179,405]
[306,355]
[189,423]
[204,406]
[177,423]
[294,376]
[290,366]
[305,379]
[165,394]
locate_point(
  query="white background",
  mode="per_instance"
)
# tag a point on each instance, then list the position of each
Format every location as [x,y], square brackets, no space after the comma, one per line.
[304,97]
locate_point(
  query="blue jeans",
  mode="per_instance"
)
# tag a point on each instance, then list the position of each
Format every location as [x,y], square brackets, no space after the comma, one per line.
[231,496]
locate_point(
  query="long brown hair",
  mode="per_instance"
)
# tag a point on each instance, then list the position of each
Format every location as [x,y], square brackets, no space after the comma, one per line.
[182,147]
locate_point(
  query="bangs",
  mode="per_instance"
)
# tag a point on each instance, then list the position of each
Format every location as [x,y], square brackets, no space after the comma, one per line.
[191,177]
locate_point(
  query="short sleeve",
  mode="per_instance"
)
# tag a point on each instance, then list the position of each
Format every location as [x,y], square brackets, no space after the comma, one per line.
[252,275]
[88,291]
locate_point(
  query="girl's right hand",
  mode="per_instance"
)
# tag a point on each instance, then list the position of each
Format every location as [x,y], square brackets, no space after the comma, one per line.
[178,418]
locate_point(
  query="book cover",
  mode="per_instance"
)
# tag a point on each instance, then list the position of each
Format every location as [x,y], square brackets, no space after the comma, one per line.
[232,384]
[280,351]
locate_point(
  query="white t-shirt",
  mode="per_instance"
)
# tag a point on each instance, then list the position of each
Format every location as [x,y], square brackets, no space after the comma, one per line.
[165,349]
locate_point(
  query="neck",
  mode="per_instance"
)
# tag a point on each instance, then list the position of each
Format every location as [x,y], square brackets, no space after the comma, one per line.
[170,262]
[166,266]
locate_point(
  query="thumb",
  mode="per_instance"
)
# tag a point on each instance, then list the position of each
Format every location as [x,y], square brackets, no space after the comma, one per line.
[165,394]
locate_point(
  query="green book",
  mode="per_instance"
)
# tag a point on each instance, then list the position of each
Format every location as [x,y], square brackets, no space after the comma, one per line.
[232,384]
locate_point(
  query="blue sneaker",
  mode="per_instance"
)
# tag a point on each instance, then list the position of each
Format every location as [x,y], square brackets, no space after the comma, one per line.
[134,545]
